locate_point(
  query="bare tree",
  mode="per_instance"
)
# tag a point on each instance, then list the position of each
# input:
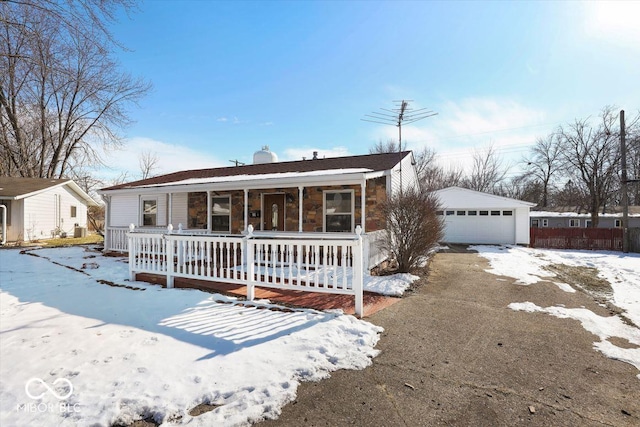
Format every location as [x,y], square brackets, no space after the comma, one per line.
[592,153]
[148,162]
[62,95]
[488,171]
[431,176]
[543,164]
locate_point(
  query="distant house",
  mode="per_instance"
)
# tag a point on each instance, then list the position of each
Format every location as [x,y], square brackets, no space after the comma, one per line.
[575,217]
[482,218]
[317,195]
[39,208]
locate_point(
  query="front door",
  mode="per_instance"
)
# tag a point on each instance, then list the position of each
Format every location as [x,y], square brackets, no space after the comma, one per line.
[273,208]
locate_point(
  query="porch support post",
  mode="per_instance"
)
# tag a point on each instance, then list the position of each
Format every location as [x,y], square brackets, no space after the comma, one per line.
[170,216]
[363,201]
[246,208]
[107,223]
[358,273]
[169,252]
[300,207]
[133,249]
[251,264]
[208,211]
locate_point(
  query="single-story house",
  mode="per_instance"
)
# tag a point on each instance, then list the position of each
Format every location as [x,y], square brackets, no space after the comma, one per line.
[316,195]
[576,217]
[41,208]
[481,218]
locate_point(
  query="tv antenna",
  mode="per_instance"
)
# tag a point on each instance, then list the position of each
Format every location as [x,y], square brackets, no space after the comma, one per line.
[237,162]
[401,114]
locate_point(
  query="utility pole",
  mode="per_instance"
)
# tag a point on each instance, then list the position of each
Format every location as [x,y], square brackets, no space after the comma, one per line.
[396,117]
[625,193]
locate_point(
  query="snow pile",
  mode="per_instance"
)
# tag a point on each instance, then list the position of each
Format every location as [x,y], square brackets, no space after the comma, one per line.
[129,350]
[393,285]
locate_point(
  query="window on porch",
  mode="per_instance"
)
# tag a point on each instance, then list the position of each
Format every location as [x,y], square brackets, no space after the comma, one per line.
[338,208]
[150,212]
[221,214]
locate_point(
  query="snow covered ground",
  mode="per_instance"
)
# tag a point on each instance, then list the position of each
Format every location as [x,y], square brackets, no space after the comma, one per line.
[622,271]
[81,345]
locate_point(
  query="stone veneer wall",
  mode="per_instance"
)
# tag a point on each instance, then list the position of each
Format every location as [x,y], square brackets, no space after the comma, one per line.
[312,203]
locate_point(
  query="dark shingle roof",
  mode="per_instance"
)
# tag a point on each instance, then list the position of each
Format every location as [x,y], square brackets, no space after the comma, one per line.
[375,162]
[14,187]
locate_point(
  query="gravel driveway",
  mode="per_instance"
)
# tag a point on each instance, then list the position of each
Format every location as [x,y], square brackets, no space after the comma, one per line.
[454,354]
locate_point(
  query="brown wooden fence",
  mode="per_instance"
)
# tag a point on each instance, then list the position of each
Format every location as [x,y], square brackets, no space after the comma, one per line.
[608,239]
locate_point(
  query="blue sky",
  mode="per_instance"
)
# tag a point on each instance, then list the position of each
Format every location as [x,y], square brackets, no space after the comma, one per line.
[299,76]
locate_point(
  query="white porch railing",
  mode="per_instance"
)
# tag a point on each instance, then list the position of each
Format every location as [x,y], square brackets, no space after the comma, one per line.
[373,254]
[326,263]
[116,237]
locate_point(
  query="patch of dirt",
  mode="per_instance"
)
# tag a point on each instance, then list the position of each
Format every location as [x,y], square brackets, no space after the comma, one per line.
[585,279]
[202,409]
[454,248]
[622,342]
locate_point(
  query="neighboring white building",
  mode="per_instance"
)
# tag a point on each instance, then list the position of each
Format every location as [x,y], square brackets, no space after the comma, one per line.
[38,208]
[482,218]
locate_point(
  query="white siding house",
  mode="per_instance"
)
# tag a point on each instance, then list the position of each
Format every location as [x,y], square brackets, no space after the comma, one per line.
[482,218]
[42,208]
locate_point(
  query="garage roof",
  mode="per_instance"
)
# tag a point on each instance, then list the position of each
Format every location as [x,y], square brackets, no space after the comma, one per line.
[463,198]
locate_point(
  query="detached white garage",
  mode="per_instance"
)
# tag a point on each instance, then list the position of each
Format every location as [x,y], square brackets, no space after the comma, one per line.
[482,218]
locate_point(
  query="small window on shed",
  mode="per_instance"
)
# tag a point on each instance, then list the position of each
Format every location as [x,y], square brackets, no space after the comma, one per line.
[618,223]
[484,213]
[587,223]
[74,211]
[507,213]
[450,212]
[440,213]
[461,213]
[545,222]
[574,223]
[495,213]
[473,213]
[535,223]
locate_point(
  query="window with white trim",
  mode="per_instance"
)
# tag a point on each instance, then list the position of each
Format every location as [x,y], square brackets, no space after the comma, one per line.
[574,223]
[618,223]
[221,214]
[535,223]
[587,223]
[74,211]
[149,212]
[338,211]
[545,222]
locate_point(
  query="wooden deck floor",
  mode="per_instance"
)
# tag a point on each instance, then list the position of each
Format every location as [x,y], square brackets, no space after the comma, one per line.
[316,300]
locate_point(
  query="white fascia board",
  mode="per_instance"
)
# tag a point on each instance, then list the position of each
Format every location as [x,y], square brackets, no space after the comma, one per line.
[354,178]
[79,191]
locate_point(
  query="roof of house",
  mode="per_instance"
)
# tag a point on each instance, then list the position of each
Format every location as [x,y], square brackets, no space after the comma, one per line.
[16,188]
[575,211]
[464,198]
[363,163]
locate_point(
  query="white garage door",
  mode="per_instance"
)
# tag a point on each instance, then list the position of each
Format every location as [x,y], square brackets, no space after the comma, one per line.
[480,226]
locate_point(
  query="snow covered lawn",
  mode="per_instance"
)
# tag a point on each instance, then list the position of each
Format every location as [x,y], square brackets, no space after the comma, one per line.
[81,345]
[622,271]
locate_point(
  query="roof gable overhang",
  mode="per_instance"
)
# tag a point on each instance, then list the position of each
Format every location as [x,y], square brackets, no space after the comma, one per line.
[463,198]
[72,186]
[257,182]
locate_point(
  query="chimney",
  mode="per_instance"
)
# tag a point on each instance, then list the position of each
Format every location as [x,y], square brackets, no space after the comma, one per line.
[315,155]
